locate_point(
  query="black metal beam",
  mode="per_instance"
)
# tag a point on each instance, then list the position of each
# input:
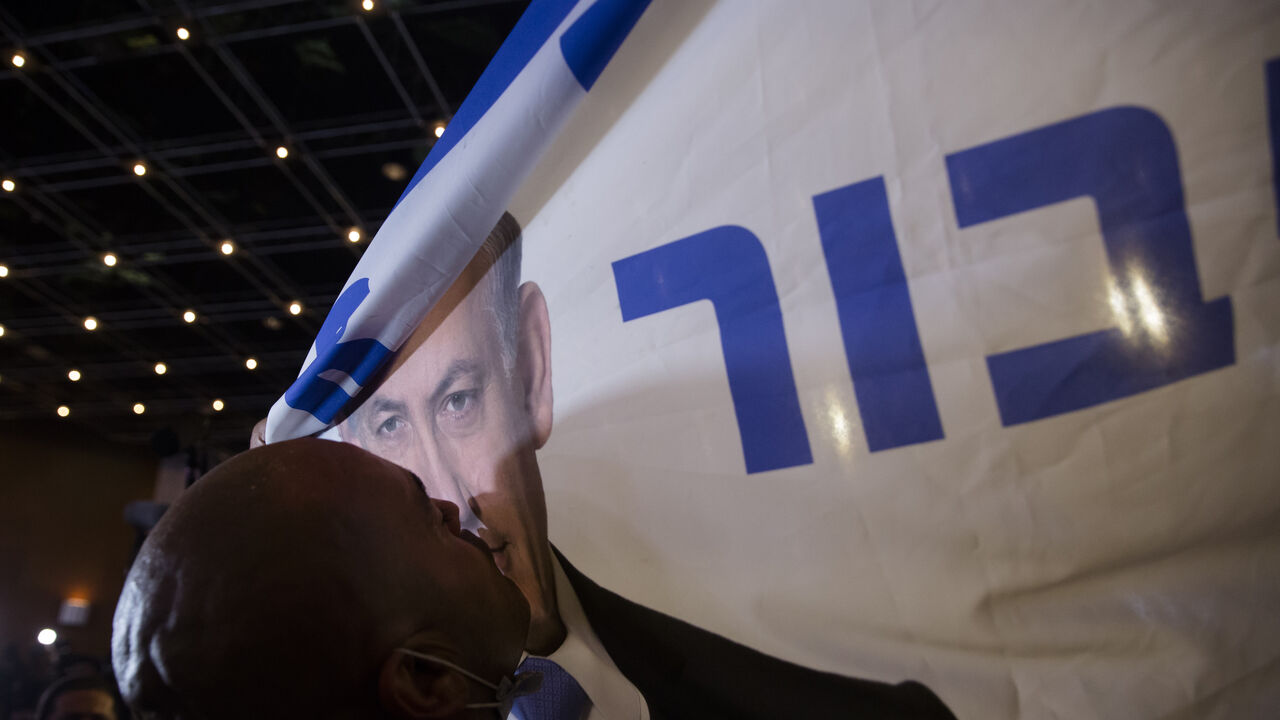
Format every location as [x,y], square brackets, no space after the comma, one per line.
[422,65]
[391,73]
[97,111]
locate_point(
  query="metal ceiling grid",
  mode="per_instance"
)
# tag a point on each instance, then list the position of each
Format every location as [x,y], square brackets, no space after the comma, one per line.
[352,96]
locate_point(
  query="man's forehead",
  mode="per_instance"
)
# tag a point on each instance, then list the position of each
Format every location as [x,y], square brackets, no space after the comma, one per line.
[465,335]
[437,342]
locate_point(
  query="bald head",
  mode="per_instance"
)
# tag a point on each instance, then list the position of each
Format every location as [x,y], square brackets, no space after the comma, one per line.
[282,583]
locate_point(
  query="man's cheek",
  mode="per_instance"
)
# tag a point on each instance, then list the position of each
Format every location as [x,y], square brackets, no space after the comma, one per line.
[483,455]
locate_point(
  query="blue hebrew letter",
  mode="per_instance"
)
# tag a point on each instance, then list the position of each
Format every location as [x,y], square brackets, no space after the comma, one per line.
[886,361]
[1124,159]
[728,266]
[315,390]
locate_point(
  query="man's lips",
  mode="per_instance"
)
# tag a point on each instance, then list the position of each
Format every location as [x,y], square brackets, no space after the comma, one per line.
[501,559]
[471,538]
[496,546]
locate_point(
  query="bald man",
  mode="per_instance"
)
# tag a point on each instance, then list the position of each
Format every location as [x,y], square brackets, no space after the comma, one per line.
[312,579]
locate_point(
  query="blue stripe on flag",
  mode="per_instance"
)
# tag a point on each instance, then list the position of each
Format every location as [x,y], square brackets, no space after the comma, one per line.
[530,33]
[339,369]
[591,41]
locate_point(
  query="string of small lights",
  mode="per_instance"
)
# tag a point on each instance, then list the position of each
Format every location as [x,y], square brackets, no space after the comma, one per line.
[158,178]
[189,316]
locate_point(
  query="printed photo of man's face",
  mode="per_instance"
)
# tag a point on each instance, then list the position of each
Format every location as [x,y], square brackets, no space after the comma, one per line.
[466,403]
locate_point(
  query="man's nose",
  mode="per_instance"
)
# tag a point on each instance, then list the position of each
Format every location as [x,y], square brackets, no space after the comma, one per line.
[448,514]
[467,517]
[443,481]
[446,487]
[444,484]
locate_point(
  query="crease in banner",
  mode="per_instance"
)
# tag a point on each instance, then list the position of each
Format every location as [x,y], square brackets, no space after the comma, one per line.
[543,70]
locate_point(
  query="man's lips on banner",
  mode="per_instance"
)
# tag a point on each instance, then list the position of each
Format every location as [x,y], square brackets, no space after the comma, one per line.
[471,538]
[496,546]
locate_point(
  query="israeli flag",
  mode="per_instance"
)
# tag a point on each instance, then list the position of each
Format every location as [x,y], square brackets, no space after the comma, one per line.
[542,71]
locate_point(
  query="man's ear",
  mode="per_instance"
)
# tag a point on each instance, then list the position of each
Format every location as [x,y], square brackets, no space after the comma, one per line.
[258,437]
[534,360]
[414,689]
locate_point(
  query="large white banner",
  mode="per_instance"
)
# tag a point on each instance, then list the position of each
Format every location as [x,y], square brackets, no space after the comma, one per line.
[931,340]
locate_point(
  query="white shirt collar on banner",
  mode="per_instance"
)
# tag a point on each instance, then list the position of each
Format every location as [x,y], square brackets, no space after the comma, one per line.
[613,697]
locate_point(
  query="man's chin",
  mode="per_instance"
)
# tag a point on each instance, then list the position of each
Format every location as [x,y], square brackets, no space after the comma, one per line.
[546,629]
[546,632]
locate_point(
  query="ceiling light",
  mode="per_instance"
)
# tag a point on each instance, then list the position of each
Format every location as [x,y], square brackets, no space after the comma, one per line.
[139,408]
[189,316]
[367,5]
[251,363]
[282,152]
[439,129]
[394,171]
[91,323]
[295,308]
[139,169]
[218,405]
[63,411]
[110,259]
[161,368]
[47,636]
[182,33]
[353,235]
[4,271]
[18,60]
[227,247]
[73,375]
[8,184]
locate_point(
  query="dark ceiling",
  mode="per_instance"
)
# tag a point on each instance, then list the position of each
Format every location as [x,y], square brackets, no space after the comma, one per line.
[353,95]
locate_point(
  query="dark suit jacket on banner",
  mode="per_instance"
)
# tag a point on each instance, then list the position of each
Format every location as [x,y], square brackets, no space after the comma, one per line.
[685,672]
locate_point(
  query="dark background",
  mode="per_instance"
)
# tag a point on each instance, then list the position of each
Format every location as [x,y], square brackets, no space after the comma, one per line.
[354,95]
